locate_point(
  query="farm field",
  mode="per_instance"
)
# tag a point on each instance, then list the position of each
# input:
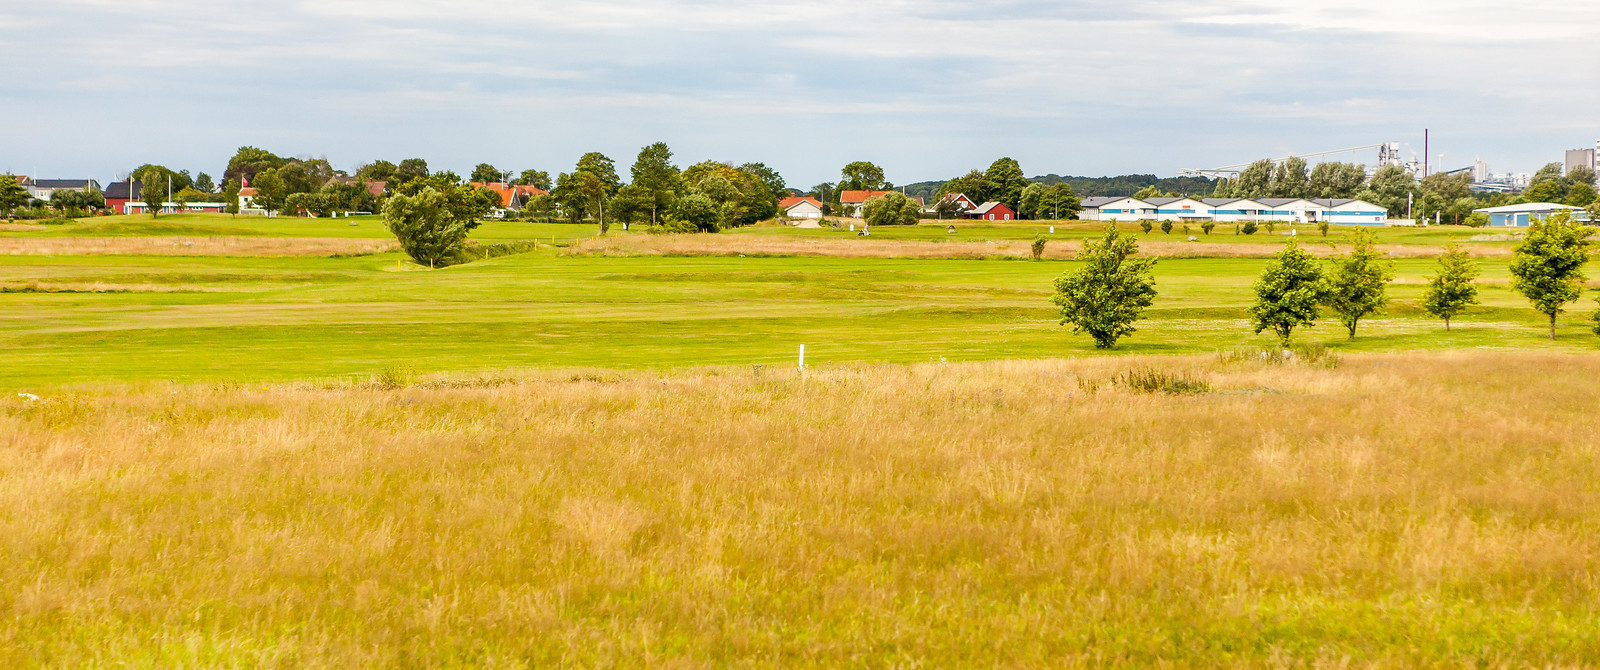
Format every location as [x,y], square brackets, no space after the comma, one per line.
[263,316]
[1393,510]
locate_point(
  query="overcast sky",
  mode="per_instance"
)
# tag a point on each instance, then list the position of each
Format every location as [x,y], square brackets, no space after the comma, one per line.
[927,89]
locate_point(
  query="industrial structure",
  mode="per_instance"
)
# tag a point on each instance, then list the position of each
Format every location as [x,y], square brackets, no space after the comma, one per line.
[1231,210]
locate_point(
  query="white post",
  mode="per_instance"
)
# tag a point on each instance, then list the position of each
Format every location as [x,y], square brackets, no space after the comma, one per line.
[802,357]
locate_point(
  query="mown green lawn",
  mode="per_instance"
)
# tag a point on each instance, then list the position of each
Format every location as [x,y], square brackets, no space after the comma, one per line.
[288,318]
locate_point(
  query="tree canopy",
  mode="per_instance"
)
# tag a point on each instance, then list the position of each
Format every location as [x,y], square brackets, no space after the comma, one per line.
[1547,265]
[891,209]
[1451,291]
[423,223]
[1357,287]
[1110,292]
[1288,293]
[862,176]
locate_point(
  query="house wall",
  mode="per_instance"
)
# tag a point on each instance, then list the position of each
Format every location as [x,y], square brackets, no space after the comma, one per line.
[804,210]
[1183,210]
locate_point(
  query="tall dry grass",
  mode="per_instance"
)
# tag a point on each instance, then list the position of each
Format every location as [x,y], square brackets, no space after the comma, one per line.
[1424,510]
[192,246]
[852,247]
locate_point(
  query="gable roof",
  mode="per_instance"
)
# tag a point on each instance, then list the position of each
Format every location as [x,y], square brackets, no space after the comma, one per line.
[65,183]
[1527,207]
[789,202]
[122,190]
[1279,202]
[509,193]
[1101,200]
[990,206]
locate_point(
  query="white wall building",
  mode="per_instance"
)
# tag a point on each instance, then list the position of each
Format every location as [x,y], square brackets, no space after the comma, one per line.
[1232,210]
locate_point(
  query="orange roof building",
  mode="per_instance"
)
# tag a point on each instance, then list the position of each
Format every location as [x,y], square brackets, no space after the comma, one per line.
[512,196]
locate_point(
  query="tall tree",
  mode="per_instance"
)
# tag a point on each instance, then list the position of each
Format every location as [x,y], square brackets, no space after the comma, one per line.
[1547,265]
[270,190]
[1255,181]
[248,161]
[1287,293]
[407,170]
[379,170]
[862,176]
[153,188]
[1391,186]
[972,184]
[1451,291]
[1058,202]
[463,204]
[204,184]
[12,194]
[1289,179]
[656,179]
[1028,205]
[1357,287]
[485,173]
[769,178]
[1006,181]
[1110,292]
[1335,180]
[891,209]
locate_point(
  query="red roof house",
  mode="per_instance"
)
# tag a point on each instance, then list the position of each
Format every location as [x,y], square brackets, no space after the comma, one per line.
[992,211]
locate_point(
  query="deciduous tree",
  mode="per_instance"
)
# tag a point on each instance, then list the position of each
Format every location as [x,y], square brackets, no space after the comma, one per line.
[891,209]
[423,224]
[1005,182]
[485,173]
[1288,293]
[1451,291]
[12,194]
[861,176]
[656,179]
[1058,202]
[1547,265]
[1110,292]
[1358,286]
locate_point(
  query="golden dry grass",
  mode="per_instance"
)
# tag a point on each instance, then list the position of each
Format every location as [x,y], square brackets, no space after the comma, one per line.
[192,246]
[1415,511]
[852,247]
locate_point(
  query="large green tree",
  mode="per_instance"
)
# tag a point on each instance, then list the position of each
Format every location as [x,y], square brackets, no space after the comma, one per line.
[1547,265]
[656,181]
[154,188]
[485,173]
[1255,181]
[1336,180]
[464,204]
[1289,179]
[538,179]
[1058,202]
[972,184]
[1005,182]
[1288,293]
[248,161]
[428,232]
[862,176]
[1110,292]
[891,209]
[12,194]
[1358,285]
[1390,187]
[1451,291]
[407,170]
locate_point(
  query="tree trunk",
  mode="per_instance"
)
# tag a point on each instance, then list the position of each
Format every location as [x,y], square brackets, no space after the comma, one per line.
[1552,327]
[1447,324]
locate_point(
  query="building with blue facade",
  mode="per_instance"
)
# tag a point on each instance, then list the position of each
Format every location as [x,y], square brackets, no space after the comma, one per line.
[1528,212]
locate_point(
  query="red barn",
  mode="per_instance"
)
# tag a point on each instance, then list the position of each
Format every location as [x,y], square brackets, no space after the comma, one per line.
[992,211]
[120,193]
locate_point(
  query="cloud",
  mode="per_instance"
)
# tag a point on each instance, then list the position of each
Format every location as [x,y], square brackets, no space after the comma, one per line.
[926,88]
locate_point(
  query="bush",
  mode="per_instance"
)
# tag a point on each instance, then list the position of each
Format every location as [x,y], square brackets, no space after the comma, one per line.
[1249,228]
[1207,226]
[1145,226]
[1038,246]
[1476,220]
[1166,227]
[473,251]
[1322,227]
[1151,380]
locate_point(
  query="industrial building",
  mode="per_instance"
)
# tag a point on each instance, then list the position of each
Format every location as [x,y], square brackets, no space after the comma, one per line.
[1230,210]
[1528,212]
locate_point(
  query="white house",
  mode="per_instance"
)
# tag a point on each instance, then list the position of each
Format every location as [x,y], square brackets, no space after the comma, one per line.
[1528,212]
[1180,209]
[800,207]
[1102,208]
[1351,211]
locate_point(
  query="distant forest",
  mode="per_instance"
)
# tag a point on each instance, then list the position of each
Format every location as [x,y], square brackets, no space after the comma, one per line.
[1084,187]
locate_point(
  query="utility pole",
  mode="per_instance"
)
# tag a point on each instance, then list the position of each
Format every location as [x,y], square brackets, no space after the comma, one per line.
[1424,153]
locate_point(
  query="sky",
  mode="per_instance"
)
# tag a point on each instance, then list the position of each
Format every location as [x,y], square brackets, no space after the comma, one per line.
[927,89]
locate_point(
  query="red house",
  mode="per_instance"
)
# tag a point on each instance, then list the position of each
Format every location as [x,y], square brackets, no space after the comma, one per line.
[991,211]
[120,193]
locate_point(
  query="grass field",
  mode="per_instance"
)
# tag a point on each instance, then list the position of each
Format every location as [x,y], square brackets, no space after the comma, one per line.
[276,443]
[1417,510]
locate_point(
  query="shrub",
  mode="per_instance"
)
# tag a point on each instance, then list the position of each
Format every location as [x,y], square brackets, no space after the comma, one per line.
[1166,227]
[1272,227]
[1145,226]
[425,229]
[1322,227]
[1476,220]
[1207,226]
[1249,228]
[1038,246]
[1151,380]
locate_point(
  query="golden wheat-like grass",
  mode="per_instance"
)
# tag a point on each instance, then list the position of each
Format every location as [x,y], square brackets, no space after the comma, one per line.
[851,247]
[1419,510]
[192,246]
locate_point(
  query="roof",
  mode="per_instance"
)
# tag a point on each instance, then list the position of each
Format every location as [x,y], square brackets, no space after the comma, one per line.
[1218,202]
[125,190]
[65,183]
[249,191]
[858,197]
[1167,201]
[1278,202]
[789,202]
[990,206]
[1527,208]
[509,193]
[22,179]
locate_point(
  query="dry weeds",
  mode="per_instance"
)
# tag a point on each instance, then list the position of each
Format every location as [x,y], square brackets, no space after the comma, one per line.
[853,247]
[1425,510]
[192,246]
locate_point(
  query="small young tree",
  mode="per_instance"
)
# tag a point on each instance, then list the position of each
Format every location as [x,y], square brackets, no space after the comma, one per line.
[1451,291]
[1322,227]
[1547,265]
[1356,288]
[1145,226]
[1287,293]
[1110,292]
[1166,227]
[423,224]
[1038,246]
[1249,228]
[1207,226]
[151,193]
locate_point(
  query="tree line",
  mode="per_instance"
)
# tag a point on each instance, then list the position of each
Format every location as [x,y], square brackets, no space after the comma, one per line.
[1109,293]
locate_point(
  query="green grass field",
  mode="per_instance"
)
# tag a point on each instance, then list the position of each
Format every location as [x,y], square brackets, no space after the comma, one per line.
[265,318]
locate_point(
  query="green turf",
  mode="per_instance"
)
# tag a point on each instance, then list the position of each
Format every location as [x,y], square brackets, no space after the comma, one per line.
[289,318]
